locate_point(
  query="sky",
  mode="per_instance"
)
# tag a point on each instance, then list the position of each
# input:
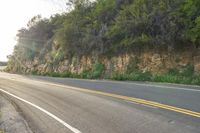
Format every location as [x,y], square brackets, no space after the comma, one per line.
[15,14]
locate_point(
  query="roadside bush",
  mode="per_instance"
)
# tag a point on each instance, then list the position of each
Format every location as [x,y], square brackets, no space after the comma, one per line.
[86,74]
[54,74]
[195,80]
[139,76]
[66,74]
[97,70]
[132,66]
[173,71]
[134,76]
[119,76]
[187,75]
[165,78]
[188,70]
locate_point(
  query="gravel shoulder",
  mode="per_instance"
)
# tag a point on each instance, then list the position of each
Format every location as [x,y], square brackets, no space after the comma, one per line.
[10,119]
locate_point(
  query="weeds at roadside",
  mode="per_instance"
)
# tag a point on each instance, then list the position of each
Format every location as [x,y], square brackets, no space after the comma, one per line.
[185,76]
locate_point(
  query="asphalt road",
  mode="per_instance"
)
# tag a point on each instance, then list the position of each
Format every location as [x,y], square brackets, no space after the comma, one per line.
[50,105]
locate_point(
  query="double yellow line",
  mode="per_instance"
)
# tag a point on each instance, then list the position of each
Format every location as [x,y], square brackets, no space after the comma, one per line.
[136,100]
[132,99]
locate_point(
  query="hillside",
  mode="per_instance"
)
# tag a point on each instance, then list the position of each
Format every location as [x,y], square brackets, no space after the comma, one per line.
[156,40]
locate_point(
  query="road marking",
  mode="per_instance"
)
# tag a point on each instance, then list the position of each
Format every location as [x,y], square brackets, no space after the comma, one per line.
[178,87]
[142,104]
[137,100]
[148,85]
[158,86]
[74,130]
[168,87]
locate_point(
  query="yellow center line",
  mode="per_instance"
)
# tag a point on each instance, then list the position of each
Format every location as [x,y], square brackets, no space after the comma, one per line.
[137,100]
[132,99]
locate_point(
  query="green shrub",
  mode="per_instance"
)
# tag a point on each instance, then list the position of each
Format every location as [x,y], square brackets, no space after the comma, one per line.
[134,76]
[86,74]
[132,66]
[165,78]
[119,76]
[55,74]
[66,74]
[195,80]
[173,71]
[139,76]
[188,70]
[186,80]
[173,76]
[97,70]
[57,56]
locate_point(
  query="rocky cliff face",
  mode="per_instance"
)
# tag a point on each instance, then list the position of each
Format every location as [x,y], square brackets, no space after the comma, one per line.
[146,61]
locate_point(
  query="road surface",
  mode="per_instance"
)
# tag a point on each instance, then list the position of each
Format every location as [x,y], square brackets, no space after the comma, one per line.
[57,105]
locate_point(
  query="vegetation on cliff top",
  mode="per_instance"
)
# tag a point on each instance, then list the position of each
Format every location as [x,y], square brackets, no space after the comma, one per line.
[109,28]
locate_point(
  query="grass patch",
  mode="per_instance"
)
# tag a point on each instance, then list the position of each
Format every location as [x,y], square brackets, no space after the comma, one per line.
[185,76]
[134,76]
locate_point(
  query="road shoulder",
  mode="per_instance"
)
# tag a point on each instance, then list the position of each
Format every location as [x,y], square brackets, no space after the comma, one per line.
[10,120]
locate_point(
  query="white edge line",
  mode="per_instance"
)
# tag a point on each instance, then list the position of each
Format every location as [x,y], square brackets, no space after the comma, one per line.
[74,130]
[153,85]
[168,87]
[144,85]
[149,84]
[138,84]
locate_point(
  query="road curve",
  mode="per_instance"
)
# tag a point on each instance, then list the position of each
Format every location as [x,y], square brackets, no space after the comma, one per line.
[51,105]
